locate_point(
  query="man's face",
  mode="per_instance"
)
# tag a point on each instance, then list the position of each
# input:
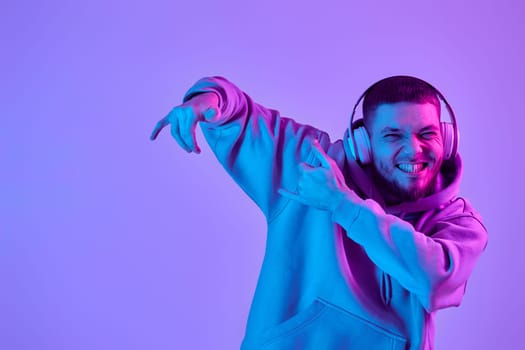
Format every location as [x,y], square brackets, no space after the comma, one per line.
[407,149]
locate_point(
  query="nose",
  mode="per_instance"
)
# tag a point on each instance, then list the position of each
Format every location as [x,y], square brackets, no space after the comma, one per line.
[412,146]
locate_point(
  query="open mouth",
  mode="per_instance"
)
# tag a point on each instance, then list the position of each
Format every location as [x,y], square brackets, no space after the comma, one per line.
[412,168]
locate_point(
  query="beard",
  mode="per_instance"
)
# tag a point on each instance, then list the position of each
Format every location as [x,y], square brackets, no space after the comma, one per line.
[393,192]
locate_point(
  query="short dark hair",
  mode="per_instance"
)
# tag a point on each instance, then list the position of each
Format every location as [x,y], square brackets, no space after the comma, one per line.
[398,89]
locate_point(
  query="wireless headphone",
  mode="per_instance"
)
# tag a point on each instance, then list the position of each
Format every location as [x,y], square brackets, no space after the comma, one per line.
[359,141]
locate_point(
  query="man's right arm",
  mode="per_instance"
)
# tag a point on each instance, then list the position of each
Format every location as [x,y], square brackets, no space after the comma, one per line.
[260,149]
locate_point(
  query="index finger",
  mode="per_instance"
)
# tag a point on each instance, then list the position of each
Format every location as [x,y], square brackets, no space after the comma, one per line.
[158,127]
[321,154]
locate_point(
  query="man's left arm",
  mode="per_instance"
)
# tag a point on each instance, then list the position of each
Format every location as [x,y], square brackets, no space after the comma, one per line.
[436,267]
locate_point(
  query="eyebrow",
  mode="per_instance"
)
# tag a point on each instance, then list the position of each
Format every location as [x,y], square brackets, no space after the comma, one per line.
[388,129]
[429,127]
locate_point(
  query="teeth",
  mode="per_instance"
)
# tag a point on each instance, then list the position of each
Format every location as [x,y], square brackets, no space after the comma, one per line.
[411,168]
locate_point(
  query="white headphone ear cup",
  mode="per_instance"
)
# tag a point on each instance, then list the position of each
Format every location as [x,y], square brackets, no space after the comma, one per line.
[447,134]
[362,142]
[351,145]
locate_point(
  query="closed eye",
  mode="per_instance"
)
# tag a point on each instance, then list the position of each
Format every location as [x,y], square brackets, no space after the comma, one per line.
[429,135]
[391,136]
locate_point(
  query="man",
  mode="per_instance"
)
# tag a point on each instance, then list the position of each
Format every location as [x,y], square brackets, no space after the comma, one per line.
[359,255]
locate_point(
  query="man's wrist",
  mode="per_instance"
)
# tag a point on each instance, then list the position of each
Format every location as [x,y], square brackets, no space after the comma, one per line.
[212,100]
[346,208]
[207,105]
[205,100]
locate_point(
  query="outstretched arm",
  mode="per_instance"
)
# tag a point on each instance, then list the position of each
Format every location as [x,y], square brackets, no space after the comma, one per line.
[260,149]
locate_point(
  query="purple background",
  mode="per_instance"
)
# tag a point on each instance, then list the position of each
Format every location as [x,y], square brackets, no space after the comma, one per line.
[110,241]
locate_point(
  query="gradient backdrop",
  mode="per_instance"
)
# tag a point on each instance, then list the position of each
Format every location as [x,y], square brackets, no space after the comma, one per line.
[111,241]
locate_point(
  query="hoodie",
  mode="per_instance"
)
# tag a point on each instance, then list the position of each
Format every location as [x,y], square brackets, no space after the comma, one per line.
[365,276]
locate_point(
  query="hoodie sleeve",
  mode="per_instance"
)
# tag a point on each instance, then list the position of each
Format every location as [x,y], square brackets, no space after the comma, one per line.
[258,148]
[435,267]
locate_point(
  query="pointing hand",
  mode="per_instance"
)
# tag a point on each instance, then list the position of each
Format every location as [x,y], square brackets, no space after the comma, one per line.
[322,187]
[183,120]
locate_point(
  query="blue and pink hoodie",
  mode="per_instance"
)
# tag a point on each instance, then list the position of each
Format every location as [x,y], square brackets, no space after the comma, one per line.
[365,276]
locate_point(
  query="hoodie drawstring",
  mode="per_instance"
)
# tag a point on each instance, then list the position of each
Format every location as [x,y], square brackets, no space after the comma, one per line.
[386,288]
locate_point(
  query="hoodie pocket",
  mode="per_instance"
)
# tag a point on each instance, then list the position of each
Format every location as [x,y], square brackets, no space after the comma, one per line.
[296,323]
[323,325]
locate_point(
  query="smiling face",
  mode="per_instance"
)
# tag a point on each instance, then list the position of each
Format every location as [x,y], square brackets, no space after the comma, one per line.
[407,149]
